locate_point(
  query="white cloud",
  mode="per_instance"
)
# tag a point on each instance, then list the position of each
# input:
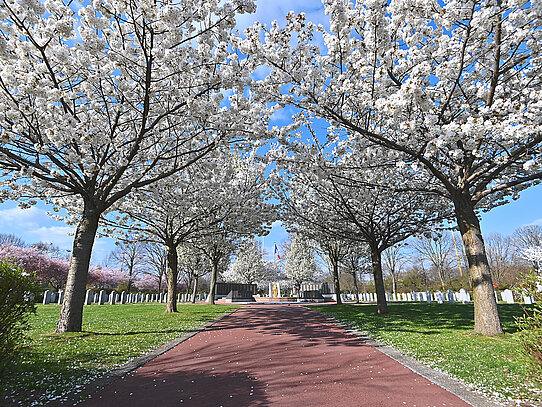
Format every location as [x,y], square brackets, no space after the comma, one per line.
[535,222]
[58,235]
[17,218]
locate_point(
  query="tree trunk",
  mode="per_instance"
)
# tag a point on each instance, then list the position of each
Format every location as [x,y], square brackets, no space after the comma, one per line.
[441,277]
[381,303]
[196,277]
[172,275]
[356,286]
[214,276]
[71,313]
[486,314]
[336,282]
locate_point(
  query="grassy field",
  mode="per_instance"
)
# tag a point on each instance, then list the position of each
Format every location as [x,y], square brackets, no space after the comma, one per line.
[52,365]
[440,335]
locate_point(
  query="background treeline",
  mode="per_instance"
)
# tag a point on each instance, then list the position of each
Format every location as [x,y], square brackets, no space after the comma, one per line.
[437,262]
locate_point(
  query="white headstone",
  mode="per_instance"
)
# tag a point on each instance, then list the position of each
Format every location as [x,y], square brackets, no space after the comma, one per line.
[123,297]
[89,297]
[60,297]
[429,297]
[409,297]
[528,300]
[464,296]
[47,297]
[508,296]
[450,296]
[102,297]
[113,298]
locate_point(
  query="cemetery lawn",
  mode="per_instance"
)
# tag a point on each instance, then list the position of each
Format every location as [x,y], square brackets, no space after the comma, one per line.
[440,336]
[51,365]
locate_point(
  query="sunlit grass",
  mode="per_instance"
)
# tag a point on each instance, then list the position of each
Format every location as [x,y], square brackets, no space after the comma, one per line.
[52,365]
[440,335]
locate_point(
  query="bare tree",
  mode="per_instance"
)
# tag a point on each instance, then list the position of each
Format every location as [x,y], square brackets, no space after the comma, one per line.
[156,258]
[8,238]
[437,249]
[393,262]
[130,255]
[500,252]
[356,262]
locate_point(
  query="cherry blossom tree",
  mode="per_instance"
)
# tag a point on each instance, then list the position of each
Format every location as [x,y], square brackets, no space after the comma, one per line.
[300,263]
[334,194]
[49,270]
[100,278]
[114,98]
[151,282]
[528,241]
[454,86]
[249,266]
[208,198]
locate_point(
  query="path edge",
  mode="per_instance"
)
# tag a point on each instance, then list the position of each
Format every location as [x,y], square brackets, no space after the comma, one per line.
[93,386]
[440,378]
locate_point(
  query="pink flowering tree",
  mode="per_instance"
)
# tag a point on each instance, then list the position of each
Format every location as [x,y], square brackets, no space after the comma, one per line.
[99,277]
[49,270]
[151,282]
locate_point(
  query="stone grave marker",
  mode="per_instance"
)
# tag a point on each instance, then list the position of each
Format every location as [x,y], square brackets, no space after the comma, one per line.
[60,297]
[464,296]
[450,296]
[47,297]
[508,296]
[102,297]
[528,300]
[113,298]
[89,297]
[123,297]
[429,297]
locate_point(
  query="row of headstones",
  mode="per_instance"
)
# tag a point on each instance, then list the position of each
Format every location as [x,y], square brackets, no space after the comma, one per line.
[439,297]
[102,297]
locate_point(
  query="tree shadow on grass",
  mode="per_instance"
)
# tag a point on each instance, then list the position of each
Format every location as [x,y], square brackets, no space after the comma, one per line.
[421,318]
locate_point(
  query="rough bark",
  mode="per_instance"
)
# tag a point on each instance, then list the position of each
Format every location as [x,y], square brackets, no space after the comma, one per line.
[381,303]
[172,275]
[393,282]
[214,277]
[194,290]
[336,282]
[71,313]
[356,286]
[486,314]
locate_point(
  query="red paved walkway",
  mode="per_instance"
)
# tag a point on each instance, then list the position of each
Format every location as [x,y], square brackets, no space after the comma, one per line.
[274,356]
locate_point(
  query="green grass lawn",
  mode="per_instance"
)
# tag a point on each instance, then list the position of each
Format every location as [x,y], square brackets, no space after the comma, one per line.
[52,365]
[440,335]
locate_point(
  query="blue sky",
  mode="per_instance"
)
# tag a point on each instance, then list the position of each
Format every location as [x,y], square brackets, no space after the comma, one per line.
[34,225]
